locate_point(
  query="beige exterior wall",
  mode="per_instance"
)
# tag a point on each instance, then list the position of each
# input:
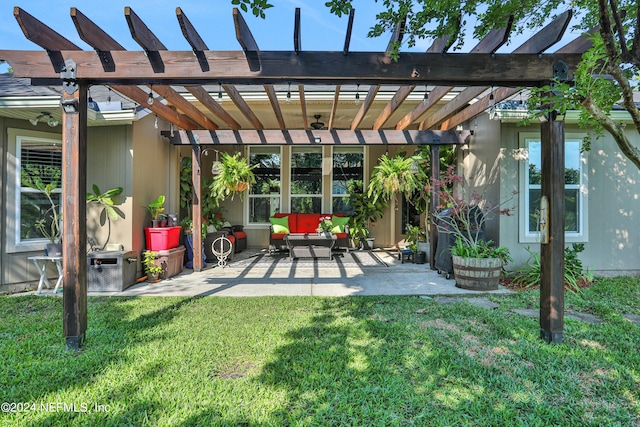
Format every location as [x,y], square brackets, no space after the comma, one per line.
[613,198]
[134,157]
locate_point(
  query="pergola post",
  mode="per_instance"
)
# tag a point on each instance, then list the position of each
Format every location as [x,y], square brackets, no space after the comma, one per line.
[552,247]
[433,203]
[196,210]
[74,224]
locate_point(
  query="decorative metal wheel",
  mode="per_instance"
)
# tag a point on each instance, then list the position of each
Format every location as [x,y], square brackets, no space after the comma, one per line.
[221,248]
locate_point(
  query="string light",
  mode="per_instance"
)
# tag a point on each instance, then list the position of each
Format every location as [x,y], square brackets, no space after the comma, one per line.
[150,99]
[425,100]
[109,96]
[357,100]
[288,100]
[155,124]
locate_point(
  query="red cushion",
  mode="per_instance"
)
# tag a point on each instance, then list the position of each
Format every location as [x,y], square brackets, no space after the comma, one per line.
[277,236]
[342,235]
[231,238]
[307,223]
[240,234]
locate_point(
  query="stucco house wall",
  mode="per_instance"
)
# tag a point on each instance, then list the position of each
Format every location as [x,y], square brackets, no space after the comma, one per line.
[612,246]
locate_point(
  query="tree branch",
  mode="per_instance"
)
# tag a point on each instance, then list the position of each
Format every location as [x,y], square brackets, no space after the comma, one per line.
[617,132]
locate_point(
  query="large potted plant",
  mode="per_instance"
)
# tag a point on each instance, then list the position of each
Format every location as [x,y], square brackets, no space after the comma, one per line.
[234,176]
[49,224]
[366,211]
[110,212]
[478,264]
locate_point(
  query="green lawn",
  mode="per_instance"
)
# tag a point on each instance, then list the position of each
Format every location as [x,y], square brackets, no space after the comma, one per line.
[354,361]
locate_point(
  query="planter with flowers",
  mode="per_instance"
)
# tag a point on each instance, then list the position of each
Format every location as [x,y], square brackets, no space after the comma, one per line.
[478,264]
[325,226]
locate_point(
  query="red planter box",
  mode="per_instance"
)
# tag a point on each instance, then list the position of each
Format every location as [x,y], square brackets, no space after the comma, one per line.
[162,238]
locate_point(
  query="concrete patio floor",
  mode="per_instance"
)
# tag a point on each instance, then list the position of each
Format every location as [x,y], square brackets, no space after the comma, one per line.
[303,278]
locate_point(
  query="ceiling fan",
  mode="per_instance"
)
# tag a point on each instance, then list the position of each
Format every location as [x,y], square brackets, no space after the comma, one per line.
[317,125]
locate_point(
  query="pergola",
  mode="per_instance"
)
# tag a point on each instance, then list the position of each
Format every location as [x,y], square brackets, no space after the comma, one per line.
[480,78]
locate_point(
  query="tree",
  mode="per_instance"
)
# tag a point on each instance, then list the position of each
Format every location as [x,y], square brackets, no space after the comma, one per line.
[606,77]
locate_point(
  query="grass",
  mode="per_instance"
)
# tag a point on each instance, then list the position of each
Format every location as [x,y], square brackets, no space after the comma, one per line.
[374,361]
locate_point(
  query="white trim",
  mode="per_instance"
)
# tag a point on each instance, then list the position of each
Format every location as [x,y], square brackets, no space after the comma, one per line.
[250,196]
[526,236]
[12,221]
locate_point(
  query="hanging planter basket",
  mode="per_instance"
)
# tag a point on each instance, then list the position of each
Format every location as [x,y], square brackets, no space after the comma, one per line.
[240,187]
[477,274]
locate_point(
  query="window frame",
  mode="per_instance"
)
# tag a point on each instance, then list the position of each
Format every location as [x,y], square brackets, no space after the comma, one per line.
[252,196]
[14,190]
[532,236]
[346,149]
[320,195]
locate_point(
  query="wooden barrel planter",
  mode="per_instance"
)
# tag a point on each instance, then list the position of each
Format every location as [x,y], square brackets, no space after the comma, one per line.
[477,274]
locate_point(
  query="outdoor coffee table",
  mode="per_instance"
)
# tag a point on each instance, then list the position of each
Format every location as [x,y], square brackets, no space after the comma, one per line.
[310,245]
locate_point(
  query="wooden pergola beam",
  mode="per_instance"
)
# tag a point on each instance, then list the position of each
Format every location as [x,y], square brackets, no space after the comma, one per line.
[396,38]
[537,44]
[317,137]
[152,44]
[489,44]
[181,67]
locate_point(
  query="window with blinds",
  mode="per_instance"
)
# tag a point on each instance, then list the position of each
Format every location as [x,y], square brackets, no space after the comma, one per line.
[40,164]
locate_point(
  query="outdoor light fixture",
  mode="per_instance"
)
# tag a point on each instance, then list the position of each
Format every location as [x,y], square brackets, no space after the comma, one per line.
[317,139]
[219,93]
[215,168]
[150,99]
[44,115]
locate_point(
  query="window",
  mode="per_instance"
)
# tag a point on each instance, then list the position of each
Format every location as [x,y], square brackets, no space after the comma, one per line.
[306,179]
[574,189]
[36,159]
[264,196]
[348,168]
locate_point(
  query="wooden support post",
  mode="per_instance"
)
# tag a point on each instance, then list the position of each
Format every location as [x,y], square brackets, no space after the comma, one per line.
[196,211]
[434,202]
[74,224]
[552,253]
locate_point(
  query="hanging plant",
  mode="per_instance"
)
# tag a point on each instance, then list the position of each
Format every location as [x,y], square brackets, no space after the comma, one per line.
[235,176]
[397,174]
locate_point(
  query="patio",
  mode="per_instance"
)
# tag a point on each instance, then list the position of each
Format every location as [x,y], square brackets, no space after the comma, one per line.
[255,273]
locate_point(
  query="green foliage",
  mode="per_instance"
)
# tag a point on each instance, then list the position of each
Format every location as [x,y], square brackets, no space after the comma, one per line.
[414,234]
[234,177]
[366,210]
[574,275]
[186,183]
[397,174]
[257,6]
[149,261]
[109,209]
[156,207]
[481,249]
[50,223]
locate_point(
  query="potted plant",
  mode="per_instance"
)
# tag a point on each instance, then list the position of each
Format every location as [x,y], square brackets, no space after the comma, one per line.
[366,212]
[110,212]
[152,269]
[50,222]
[477,264]
[235,175]
[397,174]
[156,209]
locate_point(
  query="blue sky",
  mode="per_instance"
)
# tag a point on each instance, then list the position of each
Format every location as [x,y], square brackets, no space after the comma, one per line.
[213,19]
